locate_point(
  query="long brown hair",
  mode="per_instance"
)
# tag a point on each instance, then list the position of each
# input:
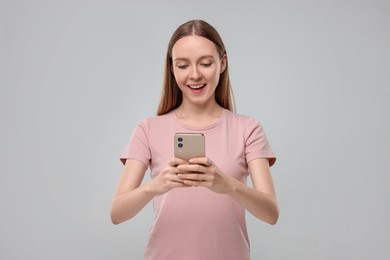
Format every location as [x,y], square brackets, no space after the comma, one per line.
[171,95]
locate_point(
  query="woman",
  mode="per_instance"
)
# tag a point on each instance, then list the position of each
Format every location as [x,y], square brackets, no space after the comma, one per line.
[199,204]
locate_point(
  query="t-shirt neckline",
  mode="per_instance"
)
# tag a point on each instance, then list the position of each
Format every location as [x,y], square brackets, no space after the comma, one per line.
[200,128]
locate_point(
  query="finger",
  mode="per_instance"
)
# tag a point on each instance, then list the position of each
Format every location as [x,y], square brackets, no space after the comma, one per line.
[176,161]
[208,163]
[175,181]
[192,177]
[201,160]
[178,184]
[191,183]
[198,168]
[181,184]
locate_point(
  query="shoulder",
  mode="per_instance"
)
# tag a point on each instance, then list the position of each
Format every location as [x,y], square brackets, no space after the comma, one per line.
[155,122]
[248,126]
[241,120]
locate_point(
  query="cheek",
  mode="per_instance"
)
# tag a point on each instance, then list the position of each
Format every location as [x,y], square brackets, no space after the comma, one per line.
[213,75]
[179,75]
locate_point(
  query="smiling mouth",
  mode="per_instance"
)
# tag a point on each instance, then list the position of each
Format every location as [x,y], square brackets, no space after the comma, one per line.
[196,86]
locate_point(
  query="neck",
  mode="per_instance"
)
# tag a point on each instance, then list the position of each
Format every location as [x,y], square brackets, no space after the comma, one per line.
[198,115]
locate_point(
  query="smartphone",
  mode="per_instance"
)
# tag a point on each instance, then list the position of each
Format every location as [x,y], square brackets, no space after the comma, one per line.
[189,145]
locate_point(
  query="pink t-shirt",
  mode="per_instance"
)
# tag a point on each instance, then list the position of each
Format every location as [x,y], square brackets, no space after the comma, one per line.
[196,223]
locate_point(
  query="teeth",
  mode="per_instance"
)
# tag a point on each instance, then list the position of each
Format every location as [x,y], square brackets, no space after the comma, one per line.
[196,87]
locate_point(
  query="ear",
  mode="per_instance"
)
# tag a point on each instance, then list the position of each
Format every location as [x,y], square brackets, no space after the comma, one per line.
[223,63]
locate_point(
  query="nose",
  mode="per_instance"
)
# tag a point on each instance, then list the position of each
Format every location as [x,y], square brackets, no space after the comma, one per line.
[195,73]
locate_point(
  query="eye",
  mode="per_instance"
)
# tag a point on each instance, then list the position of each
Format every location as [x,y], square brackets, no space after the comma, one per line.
[182,67]
[206,64]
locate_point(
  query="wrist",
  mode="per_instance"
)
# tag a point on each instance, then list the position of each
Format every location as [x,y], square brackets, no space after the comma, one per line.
[233,186]
[149,190]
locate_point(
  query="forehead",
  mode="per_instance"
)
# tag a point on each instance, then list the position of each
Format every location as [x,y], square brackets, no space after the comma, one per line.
[192,47]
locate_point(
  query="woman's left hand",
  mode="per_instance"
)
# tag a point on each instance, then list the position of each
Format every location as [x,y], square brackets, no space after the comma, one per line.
[204,173]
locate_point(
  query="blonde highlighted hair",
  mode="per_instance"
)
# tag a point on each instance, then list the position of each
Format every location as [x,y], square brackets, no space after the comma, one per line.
[171,95]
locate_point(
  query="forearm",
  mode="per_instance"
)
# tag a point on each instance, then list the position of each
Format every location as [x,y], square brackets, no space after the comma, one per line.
[126,205]
[263,206]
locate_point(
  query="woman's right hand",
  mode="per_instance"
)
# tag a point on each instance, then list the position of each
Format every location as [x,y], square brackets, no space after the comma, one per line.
[167,179]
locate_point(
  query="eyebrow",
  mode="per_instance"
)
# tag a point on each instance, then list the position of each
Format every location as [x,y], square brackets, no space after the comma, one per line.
[202,57]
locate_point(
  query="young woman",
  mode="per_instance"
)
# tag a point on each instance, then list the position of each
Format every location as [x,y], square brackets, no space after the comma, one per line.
[200,203]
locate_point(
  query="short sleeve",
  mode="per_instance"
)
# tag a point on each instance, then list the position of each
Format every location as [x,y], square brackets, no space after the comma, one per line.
[256,145]
[138,146]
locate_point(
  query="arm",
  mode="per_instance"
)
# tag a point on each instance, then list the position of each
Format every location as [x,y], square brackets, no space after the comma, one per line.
[259,200]
[131,197]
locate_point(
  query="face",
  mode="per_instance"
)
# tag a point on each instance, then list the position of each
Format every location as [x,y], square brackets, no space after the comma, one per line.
[197,68]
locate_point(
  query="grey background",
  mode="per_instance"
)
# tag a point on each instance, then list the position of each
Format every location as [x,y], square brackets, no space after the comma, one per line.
[76,76]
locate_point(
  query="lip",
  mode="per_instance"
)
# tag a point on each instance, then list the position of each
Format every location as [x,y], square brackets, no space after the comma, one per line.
[196,86]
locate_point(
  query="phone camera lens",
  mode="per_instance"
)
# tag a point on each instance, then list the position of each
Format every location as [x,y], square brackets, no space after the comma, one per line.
[180,145]
[180,139]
